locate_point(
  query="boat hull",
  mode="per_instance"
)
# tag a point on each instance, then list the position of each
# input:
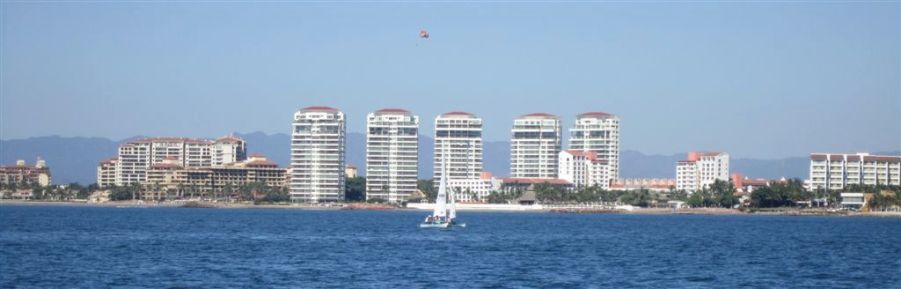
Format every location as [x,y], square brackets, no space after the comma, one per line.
[434,225]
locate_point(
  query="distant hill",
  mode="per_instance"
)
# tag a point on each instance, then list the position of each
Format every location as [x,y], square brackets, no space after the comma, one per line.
[74,159]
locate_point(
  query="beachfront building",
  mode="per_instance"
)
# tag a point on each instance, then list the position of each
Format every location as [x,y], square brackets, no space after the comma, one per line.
[475,190]
[835,171]
[583,169]
[228,149]
[392,154]
[598,132]
[652,185]
[136,157]
[535,146]
[317,155]
[21,173]
[171,179]
[520,185]
[744,184]
[458,141]
[701,169]
[106,172]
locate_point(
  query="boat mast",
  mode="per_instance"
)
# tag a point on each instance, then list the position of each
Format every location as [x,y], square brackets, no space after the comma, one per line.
[441,199]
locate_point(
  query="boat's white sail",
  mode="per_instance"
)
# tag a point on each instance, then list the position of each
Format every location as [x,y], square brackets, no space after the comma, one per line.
[441,199]
[452,210]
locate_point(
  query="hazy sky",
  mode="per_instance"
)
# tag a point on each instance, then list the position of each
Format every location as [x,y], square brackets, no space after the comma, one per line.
[755,79]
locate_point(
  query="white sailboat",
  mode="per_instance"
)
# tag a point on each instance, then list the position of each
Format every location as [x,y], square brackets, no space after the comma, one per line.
[444,215]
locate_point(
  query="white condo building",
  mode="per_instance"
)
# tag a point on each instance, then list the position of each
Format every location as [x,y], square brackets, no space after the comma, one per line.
[598,132]
[475,190]
[136,157]
[317,155]
[835,171]
[701,169]
[458,140]
[106,172]
[535,146]
[584,169]
[227,150]
[392,154]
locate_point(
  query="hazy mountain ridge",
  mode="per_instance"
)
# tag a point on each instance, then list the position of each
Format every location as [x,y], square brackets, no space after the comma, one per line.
[74,159]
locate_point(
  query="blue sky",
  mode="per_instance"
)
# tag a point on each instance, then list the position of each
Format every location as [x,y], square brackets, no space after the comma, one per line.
[761,80]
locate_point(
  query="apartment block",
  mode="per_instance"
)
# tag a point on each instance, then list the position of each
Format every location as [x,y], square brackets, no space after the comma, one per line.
[598,132]
[701,169]
[835,171]
[584,169]
[458,141]
[392,154]
[318,155]
[535,146]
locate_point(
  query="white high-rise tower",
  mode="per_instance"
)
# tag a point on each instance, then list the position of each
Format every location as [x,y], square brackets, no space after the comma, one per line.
[535,146]
[392,154]
[317,155]
[598,132]
[458,140]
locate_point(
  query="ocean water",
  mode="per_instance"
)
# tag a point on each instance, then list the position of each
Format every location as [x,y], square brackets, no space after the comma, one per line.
[102,247]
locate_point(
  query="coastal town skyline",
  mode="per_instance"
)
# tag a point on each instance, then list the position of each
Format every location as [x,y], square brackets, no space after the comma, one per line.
[419,144]
[746,86]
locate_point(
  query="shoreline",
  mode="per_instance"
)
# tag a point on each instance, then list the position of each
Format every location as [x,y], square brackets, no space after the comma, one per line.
[475,208]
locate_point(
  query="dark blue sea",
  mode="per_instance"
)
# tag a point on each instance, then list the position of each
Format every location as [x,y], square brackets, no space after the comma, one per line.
[104,247]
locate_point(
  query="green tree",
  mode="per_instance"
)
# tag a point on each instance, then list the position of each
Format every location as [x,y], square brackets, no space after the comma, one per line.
[355,189]
[427,187]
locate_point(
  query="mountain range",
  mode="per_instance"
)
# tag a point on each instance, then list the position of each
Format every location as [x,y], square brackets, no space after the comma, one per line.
[74,159]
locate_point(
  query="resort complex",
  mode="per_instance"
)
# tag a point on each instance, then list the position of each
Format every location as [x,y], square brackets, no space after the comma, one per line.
[176,167]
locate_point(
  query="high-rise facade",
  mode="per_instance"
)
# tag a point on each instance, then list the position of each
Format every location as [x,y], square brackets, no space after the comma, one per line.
[701,169]
[598,132]
[535,146]
[835,171]
[458,141]
[318,155]
[392,154]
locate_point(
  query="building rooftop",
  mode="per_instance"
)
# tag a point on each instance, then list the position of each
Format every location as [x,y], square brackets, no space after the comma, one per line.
[535,181]
[319,108]
[172,140]
[461,114]
[539,115]
[596,114]
[392,111]
[229,138]
[855,157]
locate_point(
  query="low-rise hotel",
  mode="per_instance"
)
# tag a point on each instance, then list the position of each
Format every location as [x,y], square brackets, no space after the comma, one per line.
[583,169]
[835,171]
[39,174]
[170,179]
[701,169]
[136,157]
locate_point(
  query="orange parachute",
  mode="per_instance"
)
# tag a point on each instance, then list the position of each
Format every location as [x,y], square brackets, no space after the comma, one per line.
[423,34]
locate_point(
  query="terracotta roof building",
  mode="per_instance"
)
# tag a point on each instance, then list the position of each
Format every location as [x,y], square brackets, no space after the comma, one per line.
[317,155]
[598,132]
[458,141]
[392,154]
[701,169]
[535,146]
